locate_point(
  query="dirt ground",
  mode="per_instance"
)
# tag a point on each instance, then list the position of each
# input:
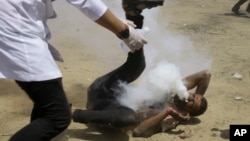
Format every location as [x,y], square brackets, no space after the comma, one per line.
[207,35]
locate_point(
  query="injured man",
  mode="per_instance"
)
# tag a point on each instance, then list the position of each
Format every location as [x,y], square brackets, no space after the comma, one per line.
[167,113]
[103,107]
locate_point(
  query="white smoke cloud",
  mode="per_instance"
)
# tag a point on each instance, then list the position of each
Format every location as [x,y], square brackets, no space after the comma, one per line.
[169,58]
[165,78]
[159,83]
[135,96]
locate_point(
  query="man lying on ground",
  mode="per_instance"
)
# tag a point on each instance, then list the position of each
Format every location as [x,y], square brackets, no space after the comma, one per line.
[103,108]
[102,105]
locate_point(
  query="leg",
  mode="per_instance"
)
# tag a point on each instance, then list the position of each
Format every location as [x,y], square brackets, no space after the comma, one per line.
[128,72]
[51,113]
[102,94]
[117,117]
[199,80]
[35,112]
[132,68]
[236,7]
[132,13]
[134,8]
[106,86]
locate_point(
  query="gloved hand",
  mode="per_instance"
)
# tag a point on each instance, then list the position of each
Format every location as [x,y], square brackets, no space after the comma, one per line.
[135,41]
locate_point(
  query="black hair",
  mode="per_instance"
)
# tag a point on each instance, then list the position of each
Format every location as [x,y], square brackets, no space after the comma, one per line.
[202,109]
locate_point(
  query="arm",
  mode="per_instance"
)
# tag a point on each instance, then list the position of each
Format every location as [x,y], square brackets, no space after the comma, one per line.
[111,22]
[150,124]
[153,124]
[199,80]
[97,11]
[125,31]
[178,116]
[170,123]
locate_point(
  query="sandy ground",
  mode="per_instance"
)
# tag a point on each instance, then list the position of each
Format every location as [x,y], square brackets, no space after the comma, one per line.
[200,34]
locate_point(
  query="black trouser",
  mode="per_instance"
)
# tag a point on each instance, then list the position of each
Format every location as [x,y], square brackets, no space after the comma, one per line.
[103,107]
[116,117]
[104,90]
[239,3]
[50,114]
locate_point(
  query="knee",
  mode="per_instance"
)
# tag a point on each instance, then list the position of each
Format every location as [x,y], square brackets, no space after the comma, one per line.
[62,125]
[62,122]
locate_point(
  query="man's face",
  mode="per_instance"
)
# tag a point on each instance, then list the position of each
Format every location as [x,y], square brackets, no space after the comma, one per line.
[193,104]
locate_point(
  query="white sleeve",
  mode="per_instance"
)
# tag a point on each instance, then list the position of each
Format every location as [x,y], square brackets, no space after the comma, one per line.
[93,9]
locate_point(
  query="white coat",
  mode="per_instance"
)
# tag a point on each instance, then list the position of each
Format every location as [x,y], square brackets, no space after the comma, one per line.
[24,51]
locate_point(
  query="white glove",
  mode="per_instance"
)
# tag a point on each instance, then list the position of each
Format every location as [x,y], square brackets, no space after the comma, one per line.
[135,41]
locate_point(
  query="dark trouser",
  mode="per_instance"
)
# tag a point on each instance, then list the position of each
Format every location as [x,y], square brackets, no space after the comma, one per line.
[239,3]
[138,20]
[103,107]
[236,7]
[103,91]
[50,114]
[117,118]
